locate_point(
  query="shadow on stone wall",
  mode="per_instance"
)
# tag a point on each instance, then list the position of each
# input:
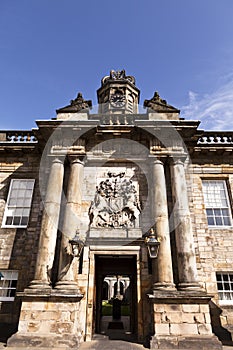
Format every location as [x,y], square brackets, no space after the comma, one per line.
[222,333]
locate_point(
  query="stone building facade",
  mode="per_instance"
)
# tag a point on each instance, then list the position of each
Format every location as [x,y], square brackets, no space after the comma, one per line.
[85,200]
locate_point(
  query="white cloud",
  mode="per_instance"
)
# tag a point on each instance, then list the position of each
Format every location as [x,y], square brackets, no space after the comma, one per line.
[214,110]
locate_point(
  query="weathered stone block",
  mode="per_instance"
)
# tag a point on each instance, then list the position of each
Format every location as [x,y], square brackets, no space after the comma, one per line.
[33,326]
[183,329]
[190,308]
[61,327]
[187,318]
[172,317]
[159,307]
[157,317]
[165,342]
[23,326]
[66,316]
[204,329]
[200,343]
[199,318]
[174,307]
[207,318]
[162,329]
[204,308]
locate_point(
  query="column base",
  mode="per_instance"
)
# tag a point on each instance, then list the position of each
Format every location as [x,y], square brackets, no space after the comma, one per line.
[67,286]
[163,286]
[192,286]
[40,284]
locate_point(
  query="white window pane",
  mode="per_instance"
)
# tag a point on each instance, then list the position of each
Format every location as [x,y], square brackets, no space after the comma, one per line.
[24,220]
[216,199]
[8,282]
[14,193]
[12,202]
[28,193]
[30,184]
[19,198]
[27,202]
[23,185]
[9,220]
[15,184]
[18,212]
[25,212]
[225,285]
[20,202]
[16,220]
[21,193]
[10,211]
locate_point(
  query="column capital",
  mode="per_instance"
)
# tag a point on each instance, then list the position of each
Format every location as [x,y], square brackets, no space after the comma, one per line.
[57,159]
[174,160]
[76,159]
[158,160]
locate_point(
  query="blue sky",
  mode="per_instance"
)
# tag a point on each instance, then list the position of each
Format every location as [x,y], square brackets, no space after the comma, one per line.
[51,49]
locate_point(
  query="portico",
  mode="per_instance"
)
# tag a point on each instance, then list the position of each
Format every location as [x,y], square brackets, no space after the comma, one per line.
[113,176]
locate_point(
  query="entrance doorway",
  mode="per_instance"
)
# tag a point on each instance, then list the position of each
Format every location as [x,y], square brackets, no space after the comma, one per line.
[116,296]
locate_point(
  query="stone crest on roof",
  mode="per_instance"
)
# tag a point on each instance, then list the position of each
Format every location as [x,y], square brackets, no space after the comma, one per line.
[76,105]
[118,75]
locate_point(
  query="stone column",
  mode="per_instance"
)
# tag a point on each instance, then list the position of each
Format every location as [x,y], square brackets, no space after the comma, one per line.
[187,269]
[68,264]
[49,227]
[164,278]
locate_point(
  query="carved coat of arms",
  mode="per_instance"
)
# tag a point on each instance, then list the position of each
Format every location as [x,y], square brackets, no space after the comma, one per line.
[116,203]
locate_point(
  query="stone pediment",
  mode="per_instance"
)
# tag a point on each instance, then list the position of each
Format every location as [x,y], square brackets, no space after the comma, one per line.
[157,104]
[76,105]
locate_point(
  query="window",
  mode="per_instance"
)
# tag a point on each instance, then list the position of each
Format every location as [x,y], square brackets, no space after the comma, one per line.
[8,281]
[18,203]
[216,203]
[225,287]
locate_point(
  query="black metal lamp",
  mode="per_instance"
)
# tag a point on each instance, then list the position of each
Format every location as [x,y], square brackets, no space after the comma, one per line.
[152,244]
[77,245]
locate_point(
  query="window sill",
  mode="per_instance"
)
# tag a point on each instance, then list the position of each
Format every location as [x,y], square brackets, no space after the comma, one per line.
[7,299]
[221,227]
[226,302]
[13,226]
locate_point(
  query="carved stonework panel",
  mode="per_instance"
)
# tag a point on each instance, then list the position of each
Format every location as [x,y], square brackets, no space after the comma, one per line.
[116,202]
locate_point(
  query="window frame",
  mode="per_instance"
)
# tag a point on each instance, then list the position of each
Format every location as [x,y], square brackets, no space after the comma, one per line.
[9,289]
[8,207]
[228,207]
[221,292]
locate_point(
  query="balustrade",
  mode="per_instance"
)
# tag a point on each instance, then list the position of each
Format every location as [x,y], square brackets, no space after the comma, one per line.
[20,136]
[215,138]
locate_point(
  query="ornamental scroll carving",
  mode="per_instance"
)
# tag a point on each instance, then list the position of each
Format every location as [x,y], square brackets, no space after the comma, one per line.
[115,204]
[118,75]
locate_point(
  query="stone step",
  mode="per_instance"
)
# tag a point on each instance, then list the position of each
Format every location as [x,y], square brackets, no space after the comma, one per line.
[106,344]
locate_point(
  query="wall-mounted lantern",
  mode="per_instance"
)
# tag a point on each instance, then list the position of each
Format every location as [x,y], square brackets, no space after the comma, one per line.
[77,245]
[152,244]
